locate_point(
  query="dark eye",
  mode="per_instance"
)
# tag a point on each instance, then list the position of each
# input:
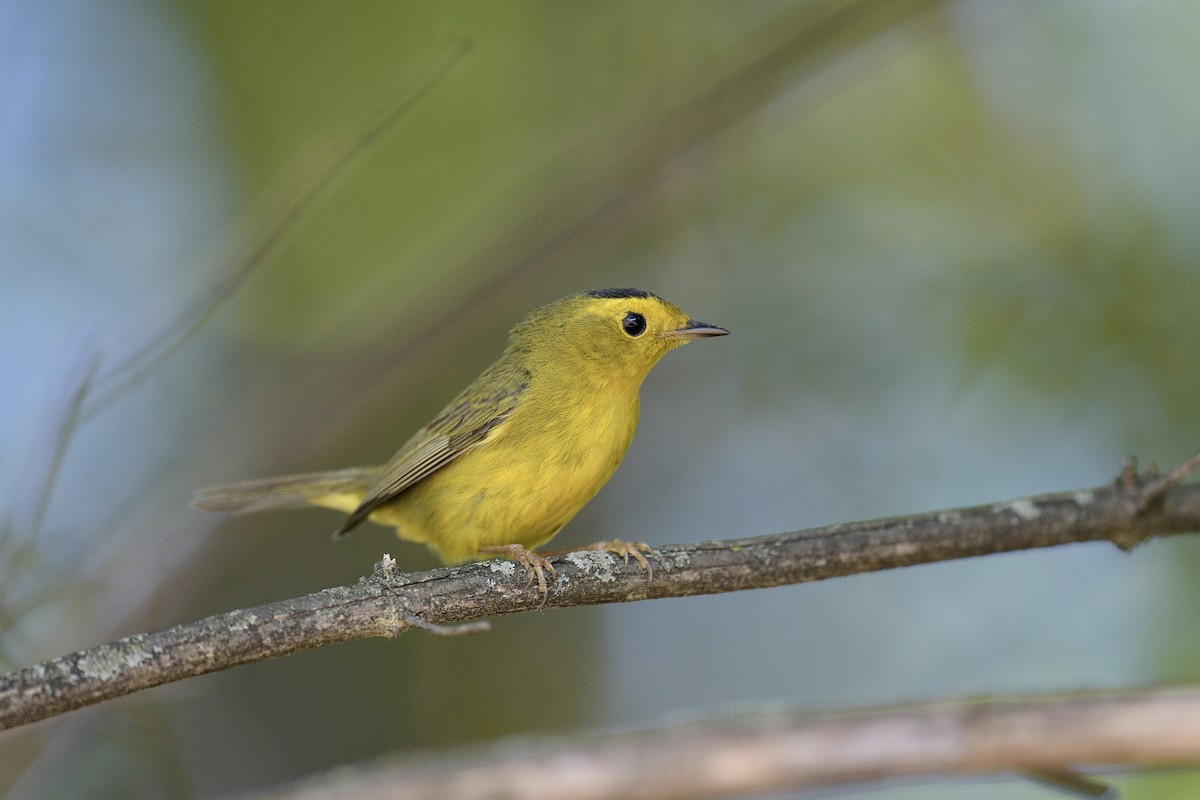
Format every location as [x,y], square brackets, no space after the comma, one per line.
[634,323]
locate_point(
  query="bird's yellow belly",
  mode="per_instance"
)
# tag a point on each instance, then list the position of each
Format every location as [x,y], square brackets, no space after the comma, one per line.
[529,494]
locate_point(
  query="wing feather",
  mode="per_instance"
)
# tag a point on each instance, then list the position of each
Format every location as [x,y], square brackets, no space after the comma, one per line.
[466,422]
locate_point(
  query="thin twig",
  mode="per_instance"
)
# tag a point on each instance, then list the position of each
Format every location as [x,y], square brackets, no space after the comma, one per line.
[414,621]
[386,603]
[64,432]
[266,237]
[1154,490]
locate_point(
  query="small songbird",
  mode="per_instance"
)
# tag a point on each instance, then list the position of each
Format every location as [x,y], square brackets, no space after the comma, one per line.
[519,451]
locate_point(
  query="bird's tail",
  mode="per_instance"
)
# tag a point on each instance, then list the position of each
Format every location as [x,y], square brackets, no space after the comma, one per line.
[336,489]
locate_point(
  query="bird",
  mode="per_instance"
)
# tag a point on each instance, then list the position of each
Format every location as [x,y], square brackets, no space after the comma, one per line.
[515,455]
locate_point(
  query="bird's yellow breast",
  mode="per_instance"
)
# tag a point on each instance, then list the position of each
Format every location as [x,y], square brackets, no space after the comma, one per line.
[524,482]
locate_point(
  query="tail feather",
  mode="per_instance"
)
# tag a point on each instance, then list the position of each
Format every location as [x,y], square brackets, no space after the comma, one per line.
[284,491]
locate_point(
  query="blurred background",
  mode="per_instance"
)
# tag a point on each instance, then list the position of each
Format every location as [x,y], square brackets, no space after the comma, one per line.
[956,244]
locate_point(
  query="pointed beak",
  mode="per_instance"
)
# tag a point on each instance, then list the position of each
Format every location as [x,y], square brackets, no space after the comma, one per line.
[697,330]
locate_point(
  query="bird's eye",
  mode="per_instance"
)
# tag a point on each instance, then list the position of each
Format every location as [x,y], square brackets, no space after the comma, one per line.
[634,323]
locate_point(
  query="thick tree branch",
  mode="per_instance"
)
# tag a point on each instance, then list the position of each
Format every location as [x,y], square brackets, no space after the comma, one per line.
[785,751]
[390,602]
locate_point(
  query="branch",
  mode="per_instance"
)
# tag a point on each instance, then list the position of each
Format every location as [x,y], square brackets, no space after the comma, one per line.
[389,603]
[784,751]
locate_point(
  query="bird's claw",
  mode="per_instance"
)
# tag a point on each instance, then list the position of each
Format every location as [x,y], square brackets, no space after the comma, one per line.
[535,565]
[620,547]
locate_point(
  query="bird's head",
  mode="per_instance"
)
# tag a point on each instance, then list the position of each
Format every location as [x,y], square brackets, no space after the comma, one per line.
[622,332]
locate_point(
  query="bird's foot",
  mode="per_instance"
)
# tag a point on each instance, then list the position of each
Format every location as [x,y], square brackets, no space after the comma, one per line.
[619,547]
[535,565]
[627,550]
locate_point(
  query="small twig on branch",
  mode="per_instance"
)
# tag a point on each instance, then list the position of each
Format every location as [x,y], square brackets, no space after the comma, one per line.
[1155,487]
[390,603]
[782,751]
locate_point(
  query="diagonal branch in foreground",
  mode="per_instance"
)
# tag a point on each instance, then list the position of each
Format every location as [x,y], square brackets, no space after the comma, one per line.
[784,750]
[390,603]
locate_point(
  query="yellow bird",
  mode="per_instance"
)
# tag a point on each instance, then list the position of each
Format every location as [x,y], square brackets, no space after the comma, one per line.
[519,451]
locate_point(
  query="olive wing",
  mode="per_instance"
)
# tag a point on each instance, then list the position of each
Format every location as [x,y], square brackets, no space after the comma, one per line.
[465,423]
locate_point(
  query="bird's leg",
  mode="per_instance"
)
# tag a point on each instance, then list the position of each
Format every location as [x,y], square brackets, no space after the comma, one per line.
[534,564]
[619,547]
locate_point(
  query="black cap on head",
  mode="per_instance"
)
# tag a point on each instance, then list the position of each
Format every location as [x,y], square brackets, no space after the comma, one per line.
[616,294]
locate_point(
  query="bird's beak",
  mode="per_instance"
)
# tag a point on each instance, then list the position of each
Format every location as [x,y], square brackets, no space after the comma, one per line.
[697,330]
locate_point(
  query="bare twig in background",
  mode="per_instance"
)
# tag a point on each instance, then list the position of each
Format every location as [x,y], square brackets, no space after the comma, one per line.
[64,429]
[267,233]
[386,603]
[777,751]
[27,577]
